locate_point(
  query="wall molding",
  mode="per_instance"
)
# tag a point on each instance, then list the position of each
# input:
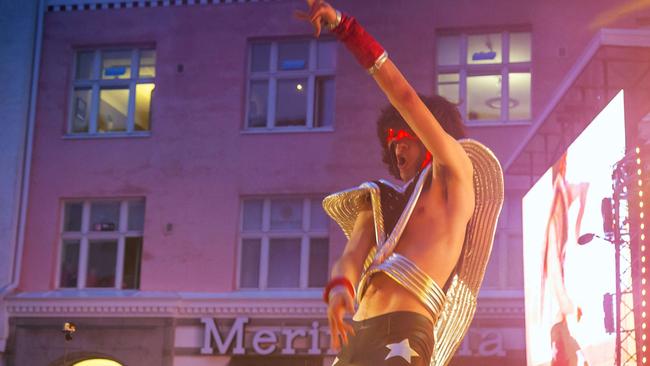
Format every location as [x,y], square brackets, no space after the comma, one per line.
[53,6]
[186,305]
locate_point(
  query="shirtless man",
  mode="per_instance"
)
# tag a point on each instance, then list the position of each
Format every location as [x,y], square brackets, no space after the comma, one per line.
[391,325]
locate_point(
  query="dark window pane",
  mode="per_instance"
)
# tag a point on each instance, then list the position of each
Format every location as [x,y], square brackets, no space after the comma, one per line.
[491,278]
[250,263]
[143,96]
[286,214]
[136,215]
[102,256]
[284,263]
[104,216]
[318,262]
[260,56]
[252,215]
[116,64]
[448,50]
[69,264]
[81,110]
[515,278]
[113,110]
[324,106]
[291,105]
[132,262]
[72,219]
[319,219]
[147,67]
[85,62]
[257,103]
[326,55]
[293,55]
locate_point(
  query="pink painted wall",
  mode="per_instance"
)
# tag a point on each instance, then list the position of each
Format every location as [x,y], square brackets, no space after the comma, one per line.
[197,163]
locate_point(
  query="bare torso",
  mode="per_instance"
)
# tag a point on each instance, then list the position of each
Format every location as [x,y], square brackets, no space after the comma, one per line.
[433,240]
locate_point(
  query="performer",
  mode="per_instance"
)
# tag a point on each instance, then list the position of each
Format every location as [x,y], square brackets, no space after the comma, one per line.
[399,294]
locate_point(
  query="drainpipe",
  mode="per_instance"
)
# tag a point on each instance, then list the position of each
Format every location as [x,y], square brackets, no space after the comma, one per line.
[24,189]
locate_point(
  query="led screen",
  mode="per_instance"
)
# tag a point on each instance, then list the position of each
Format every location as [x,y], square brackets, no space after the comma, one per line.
[566,283]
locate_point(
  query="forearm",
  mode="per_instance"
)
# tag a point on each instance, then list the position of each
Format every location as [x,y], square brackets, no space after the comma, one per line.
[349,267]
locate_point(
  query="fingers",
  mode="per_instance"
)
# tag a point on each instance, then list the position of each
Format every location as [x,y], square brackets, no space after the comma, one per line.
[339,329]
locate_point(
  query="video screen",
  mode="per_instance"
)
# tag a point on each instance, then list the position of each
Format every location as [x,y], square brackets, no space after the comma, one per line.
[565,282]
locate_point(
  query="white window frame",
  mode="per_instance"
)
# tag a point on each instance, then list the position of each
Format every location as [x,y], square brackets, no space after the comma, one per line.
[504,68]
[96,83]
[273,75]
[86,235]
[305,234]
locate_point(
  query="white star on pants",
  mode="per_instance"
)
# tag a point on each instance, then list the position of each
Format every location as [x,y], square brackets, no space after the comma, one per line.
[401,349]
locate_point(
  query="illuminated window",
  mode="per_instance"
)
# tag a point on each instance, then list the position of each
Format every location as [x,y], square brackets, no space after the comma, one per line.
[487,75]
[112,92]
[283,243]
[98,362]
[290,85]
[101,244]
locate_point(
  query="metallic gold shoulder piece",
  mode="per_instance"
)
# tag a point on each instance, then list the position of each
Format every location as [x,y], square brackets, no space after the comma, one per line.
[344,206]
[458,312]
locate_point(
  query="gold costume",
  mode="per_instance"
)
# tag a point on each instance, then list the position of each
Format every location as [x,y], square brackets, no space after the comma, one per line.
[454,309]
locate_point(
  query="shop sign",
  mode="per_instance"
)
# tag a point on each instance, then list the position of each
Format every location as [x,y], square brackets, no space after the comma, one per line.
[477,343]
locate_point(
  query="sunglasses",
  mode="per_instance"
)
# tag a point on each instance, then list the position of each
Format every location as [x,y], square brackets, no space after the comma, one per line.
[393,135]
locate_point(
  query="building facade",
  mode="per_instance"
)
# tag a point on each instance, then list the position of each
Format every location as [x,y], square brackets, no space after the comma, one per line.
[181,150]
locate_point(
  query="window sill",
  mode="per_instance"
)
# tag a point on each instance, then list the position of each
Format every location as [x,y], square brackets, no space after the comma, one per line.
[264,131]
[500,294]
[117,135]
[497,123]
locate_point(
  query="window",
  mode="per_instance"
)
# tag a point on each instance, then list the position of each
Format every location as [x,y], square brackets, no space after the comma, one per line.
[290,85]
[284,243]
[101,244]
[505,269]
[112,92]
[487,75]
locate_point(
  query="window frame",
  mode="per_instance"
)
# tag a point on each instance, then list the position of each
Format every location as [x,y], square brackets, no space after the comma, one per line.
[502,69]
[311,73]
[85,235]
[96,83]
[305,234]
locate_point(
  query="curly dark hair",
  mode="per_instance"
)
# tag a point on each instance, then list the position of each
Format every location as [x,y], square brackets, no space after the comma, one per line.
[445,112]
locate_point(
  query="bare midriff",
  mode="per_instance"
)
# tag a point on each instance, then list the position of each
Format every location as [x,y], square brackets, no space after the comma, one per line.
[432,240]
[384,295]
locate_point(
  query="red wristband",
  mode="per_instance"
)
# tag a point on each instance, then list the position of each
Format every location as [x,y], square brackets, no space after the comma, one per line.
[337,281]
[362,45]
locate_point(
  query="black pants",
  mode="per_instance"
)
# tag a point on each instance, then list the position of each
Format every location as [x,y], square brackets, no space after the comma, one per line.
[393,339]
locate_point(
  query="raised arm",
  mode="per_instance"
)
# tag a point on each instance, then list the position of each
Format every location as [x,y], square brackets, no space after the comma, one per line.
[447,152]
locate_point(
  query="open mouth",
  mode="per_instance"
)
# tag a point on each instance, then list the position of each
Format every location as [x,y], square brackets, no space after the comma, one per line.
[401,161]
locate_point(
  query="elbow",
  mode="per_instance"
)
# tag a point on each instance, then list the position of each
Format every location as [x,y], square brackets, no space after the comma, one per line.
[406,98]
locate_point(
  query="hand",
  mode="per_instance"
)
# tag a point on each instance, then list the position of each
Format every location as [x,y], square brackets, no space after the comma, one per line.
[319,12]
[340,302]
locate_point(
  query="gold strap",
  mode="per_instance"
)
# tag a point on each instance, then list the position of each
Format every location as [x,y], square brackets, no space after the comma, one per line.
[408,275]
